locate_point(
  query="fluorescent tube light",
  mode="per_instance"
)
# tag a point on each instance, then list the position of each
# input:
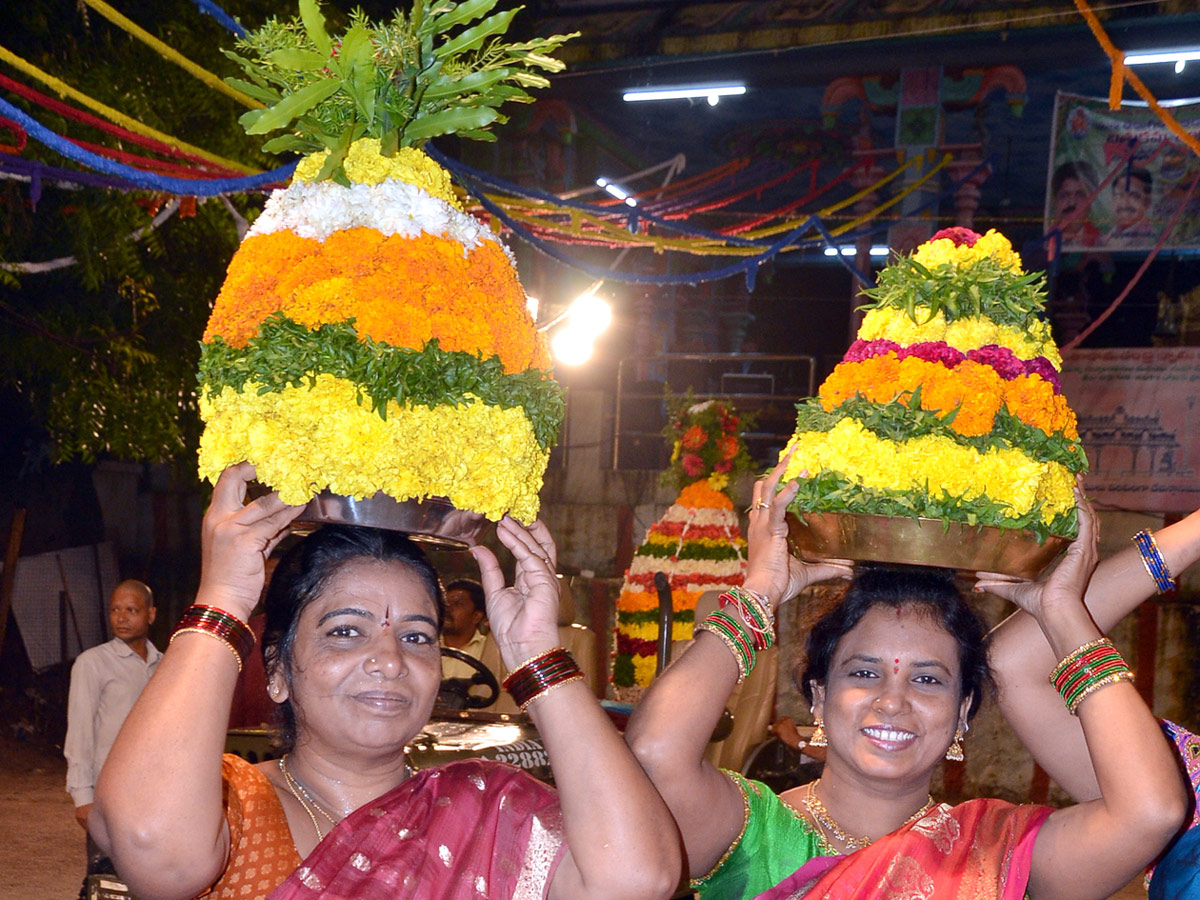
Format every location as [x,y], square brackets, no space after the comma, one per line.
[878,250]
[713,92]
[1179,57]
[616,190]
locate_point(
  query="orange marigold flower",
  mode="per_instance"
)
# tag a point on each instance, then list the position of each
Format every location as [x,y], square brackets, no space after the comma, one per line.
[700,496]
[694,438]
[400,291]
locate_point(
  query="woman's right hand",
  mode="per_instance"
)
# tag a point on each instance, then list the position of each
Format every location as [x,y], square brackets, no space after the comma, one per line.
[771,568]
[237,537]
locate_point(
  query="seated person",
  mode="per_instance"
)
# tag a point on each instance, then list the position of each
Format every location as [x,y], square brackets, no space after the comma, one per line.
[465,612]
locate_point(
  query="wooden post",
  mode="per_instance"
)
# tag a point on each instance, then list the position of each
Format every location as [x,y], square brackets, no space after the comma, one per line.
[11,554]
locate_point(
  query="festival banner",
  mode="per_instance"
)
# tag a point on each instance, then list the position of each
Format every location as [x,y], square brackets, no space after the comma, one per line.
[1139,420]
[1117,178]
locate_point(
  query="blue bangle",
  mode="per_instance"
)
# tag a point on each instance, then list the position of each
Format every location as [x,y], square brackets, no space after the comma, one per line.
[1152,559]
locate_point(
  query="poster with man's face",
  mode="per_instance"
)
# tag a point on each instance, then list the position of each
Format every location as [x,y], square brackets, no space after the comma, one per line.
[1118,179]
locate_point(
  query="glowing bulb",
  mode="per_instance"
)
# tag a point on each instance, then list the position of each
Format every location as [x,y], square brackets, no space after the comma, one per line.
[590,314]
[1179,64]
[714,99]
[572,346]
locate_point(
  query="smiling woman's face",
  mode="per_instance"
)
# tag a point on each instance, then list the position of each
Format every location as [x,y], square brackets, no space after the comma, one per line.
[891,699]
[365,666]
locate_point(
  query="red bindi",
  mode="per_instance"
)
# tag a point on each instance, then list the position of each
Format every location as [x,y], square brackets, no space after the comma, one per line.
[896,668]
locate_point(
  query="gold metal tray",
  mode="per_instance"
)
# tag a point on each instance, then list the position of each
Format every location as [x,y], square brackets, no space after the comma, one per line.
[922,542]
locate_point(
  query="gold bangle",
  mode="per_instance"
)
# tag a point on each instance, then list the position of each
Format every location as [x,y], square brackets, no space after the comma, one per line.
[1096,685]
[728,642]
[232,649]
[550,690]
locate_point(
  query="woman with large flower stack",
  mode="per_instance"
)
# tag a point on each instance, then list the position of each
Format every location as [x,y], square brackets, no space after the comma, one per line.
[372,338]
[697,544]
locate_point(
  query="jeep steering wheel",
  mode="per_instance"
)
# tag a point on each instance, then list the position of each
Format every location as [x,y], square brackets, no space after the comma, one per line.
[455,692]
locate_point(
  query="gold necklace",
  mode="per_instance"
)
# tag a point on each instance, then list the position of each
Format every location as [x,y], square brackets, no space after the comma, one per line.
[824,820]
[304,798]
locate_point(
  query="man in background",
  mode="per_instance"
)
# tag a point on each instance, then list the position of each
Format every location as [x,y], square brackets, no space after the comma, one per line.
[105,683]
[465,611]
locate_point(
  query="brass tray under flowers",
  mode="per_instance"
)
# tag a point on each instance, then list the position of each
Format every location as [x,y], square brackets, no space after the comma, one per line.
[922,542]
[433,521]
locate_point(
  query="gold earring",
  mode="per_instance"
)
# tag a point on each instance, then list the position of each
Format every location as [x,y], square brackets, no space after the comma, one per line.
[818,738]
[954,752]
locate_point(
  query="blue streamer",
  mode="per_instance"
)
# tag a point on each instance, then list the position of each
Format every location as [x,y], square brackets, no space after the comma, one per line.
[189,187]
[227,21]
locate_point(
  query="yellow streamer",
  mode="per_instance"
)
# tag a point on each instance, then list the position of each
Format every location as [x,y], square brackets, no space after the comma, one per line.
[865,217]
[196,71]
[65,90]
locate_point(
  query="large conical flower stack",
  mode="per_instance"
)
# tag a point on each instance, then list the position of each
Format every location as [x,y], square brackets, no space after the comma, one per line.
[949,403]
[370,336]
[697,544]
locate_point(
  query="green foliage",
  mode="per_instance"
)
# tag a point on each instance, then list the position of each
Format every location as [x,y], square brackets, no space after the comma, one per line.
[102,354]
[285,353]
[441,69]
[985,288]
[833,492]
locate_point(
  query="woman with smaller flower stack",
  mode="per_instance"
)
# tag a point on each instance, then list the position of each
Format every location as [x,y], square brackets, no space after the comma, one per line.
[895,673]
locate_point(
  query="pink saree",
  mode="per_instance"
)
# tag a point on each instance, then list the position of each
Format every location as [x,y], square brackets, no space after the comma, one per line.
[981,849]
[471,829]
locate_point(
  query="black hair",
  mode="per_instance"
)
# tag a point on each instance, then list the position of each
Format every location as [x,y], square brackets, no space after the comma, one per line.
[474,590]
[302,576]
[908,586]
[1134,173]
[1077,169]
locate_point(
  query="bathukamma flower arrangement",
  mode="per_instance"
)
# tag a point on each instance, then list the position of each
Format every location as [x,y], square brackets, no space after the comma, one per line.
[697,544]
[370,336]
[948,406]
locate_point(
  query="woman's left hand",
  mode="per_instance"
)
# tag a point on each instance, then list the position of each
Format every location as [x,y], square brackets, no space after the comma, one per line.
[771,568]
[524,617]
[1065,587]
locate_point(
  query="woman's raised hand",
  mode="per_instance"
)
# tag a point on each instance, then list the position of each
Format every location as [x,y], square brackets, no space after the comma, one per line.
[523,617]
[237,537]
[771,569]
[1065,587]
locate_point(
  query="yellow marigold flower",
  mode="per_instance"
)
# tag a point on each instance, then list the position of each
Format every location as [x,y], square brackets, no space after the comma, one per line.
[648,631]
[1008,475]
[366,165]
[303,441]
[718,481]
[944,251]
[643,669]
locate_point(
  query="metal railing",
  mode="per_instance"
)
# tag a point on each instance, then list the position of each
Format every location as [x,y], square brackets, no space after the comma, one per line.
[767,384]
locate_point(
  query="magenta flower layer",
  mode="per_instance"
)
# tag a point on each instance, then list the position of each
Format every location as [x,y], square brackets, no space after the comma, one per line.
[1006,363]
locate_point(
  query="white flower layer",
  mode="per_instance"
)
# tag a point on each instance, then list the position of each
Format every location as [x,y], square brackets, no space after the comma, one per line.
[701,516]
[318,209]
[717,568]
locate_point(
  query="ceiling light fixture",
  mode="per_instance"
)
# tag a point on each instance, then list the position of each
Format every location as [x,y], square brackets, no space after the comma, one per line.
[713,93]
[1179,57]
[878,250]
[616,190]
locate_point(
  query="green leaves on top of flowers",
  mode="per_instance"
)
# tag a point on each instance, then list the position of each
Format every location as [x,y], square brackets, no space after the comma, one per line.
[834,492]
[441,69]
[905,420]
[286,353]
[983,288]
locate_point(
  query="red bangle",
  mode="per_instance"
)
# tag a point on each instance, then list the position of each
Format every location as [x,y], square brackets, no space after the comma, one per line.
[217,622]
[543,673]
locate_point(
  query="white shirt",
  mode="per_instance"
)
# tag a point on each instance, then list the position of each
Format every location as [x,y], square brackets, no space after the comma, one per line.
[105,683]
[453,668]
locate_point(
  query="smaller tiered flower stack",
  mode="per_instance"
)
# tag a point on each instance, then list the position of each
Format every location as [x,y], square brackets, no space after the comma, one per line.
[949,405]
[697,544]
